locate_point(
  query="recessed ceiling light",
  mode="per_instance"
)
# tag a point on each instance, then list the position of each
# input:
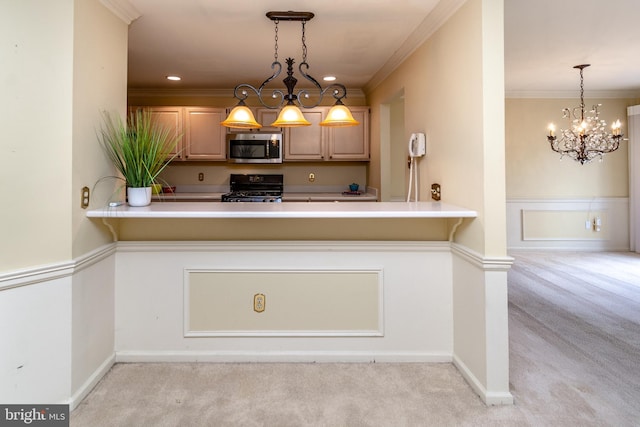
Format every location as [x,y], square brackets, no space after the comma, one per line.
[174,78]
[329,78]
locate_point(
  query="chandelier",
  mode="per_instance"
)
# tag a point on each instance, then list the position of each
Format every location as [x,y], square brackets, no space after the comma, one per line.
[290,116]
[587,138]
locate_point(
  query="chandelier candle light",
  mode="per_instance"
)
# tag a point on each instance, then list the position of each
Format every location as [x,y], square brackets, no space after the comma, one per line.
[290,116]
[587,138]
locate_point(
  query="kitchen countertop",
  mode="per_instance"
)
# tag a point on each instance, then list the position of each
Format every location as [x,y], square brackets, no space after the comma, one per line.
[286,210]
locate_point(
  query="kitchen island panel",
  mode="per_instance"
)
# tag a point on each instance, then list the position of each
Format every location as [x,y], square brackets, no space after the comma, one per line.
[227,229]
[416,285]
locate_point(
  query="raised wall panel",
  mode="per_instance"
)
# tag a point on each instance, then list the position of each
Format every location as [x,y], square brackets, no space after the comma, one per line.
[296,303]
[564,225]
[560,224]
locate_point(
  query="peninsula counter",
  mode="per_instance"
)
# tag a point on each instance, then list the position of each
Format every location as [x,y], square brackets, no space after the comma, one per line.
[286,210]
[312,282]
[415,221]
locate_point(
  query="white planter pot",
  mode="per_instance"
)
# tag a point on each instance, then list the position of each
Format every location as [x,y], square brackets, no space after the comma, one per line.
[139,196]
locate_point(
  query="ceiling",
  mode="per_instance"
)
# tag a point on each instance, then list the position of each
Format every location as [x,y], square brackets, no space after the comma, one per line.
[215,44]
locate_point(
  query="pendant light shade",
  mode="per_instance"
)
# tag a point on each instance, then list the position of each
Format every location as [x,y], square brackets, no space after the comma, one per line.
[290,116]
[339,116]
[241,117]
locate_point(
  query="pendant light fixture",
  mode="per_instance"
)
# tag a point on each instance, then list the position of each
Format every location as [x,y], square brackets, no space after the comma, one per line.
[587,138]
[291,115]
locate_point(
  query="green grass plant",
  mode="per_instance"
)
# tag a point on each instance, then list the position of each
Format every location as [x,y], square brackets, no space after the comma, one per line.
[139,148]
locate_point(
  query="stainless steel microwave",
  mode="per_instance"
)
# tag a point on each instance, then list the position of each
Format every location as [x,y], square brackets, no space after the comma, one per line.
[254,148]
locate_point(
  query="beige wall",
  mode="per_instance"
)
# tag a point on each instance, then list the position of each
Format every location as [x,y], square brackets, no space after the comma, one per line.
[35,150]
[100,76]
[534,171]
[68,61]
[217,173]
[447,83]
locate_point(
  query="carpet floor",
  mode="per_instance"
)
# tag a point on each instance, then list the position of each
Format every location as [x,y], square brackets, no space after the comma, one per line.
[574,361]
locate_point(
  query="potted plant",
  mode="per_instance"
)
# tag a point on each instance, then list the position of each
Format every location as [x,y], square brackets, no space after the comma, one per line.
[139,149]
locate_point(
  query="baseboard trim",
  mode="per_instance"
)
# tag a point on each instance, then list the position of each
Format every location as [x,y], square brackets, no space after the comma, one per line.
[282,357]
[489,398]
[91,382]
[485,263]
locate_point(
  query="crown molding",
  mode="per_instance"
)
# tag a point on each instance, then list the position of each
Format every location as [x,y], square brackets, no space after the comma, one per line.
[206,93]
[569,94]
[123,9]
[438,16]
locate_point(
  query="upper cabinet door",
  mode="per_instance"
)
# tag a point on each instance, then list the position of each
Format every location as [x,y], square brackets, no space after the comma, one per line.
[266,116]
[351,143]
[169,117]
[307,142]
[204,136]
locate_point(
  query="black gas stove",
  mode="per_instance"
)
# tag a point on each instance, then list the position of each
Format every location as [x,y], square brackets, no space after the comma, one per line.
[254,188]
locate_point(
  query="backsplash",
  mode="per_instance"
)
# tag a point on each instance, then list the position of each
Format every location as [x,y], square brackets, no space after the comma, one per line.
[334,177]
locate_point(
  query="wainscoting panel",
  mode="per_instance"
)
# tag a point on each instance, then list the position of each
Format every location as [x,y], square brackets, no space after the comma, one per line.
[562,224]
[283,303]
[328,301]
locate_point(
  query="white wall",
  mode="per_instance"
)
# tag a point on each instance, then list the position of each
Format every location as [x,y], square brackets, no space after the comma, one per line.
[35,360]
[633,114]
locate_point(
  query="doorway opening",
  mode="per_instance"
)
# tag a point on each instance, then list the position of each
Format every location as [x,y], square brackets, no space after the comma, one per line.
[393,142]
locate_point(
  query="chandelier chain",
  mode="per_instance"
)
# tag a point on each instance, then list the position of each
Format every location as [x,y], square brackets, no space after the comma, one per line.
[304,44]
[275,55]
[581,95]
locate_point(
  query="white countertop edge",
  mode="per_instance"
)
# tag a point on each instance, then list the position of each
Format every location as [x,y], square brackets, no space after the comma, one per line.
[286,210]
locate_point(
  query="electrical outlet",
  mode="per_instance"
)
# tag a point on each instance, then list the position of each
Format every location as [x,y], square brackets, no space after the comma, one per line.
[435,192]
[259,303]
[587,225]
[84,198]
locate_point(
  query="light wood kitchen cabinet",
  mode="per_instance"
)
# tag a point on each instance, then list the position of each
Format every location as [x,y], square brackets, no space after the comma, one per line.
[352,142]
[319,143]
[266,116]
[202,136]
[307,142]
[169,117]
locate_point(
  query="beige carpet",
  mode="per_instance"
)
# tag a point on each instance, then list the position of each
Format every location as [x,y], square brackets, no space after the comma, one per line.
[575,361]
